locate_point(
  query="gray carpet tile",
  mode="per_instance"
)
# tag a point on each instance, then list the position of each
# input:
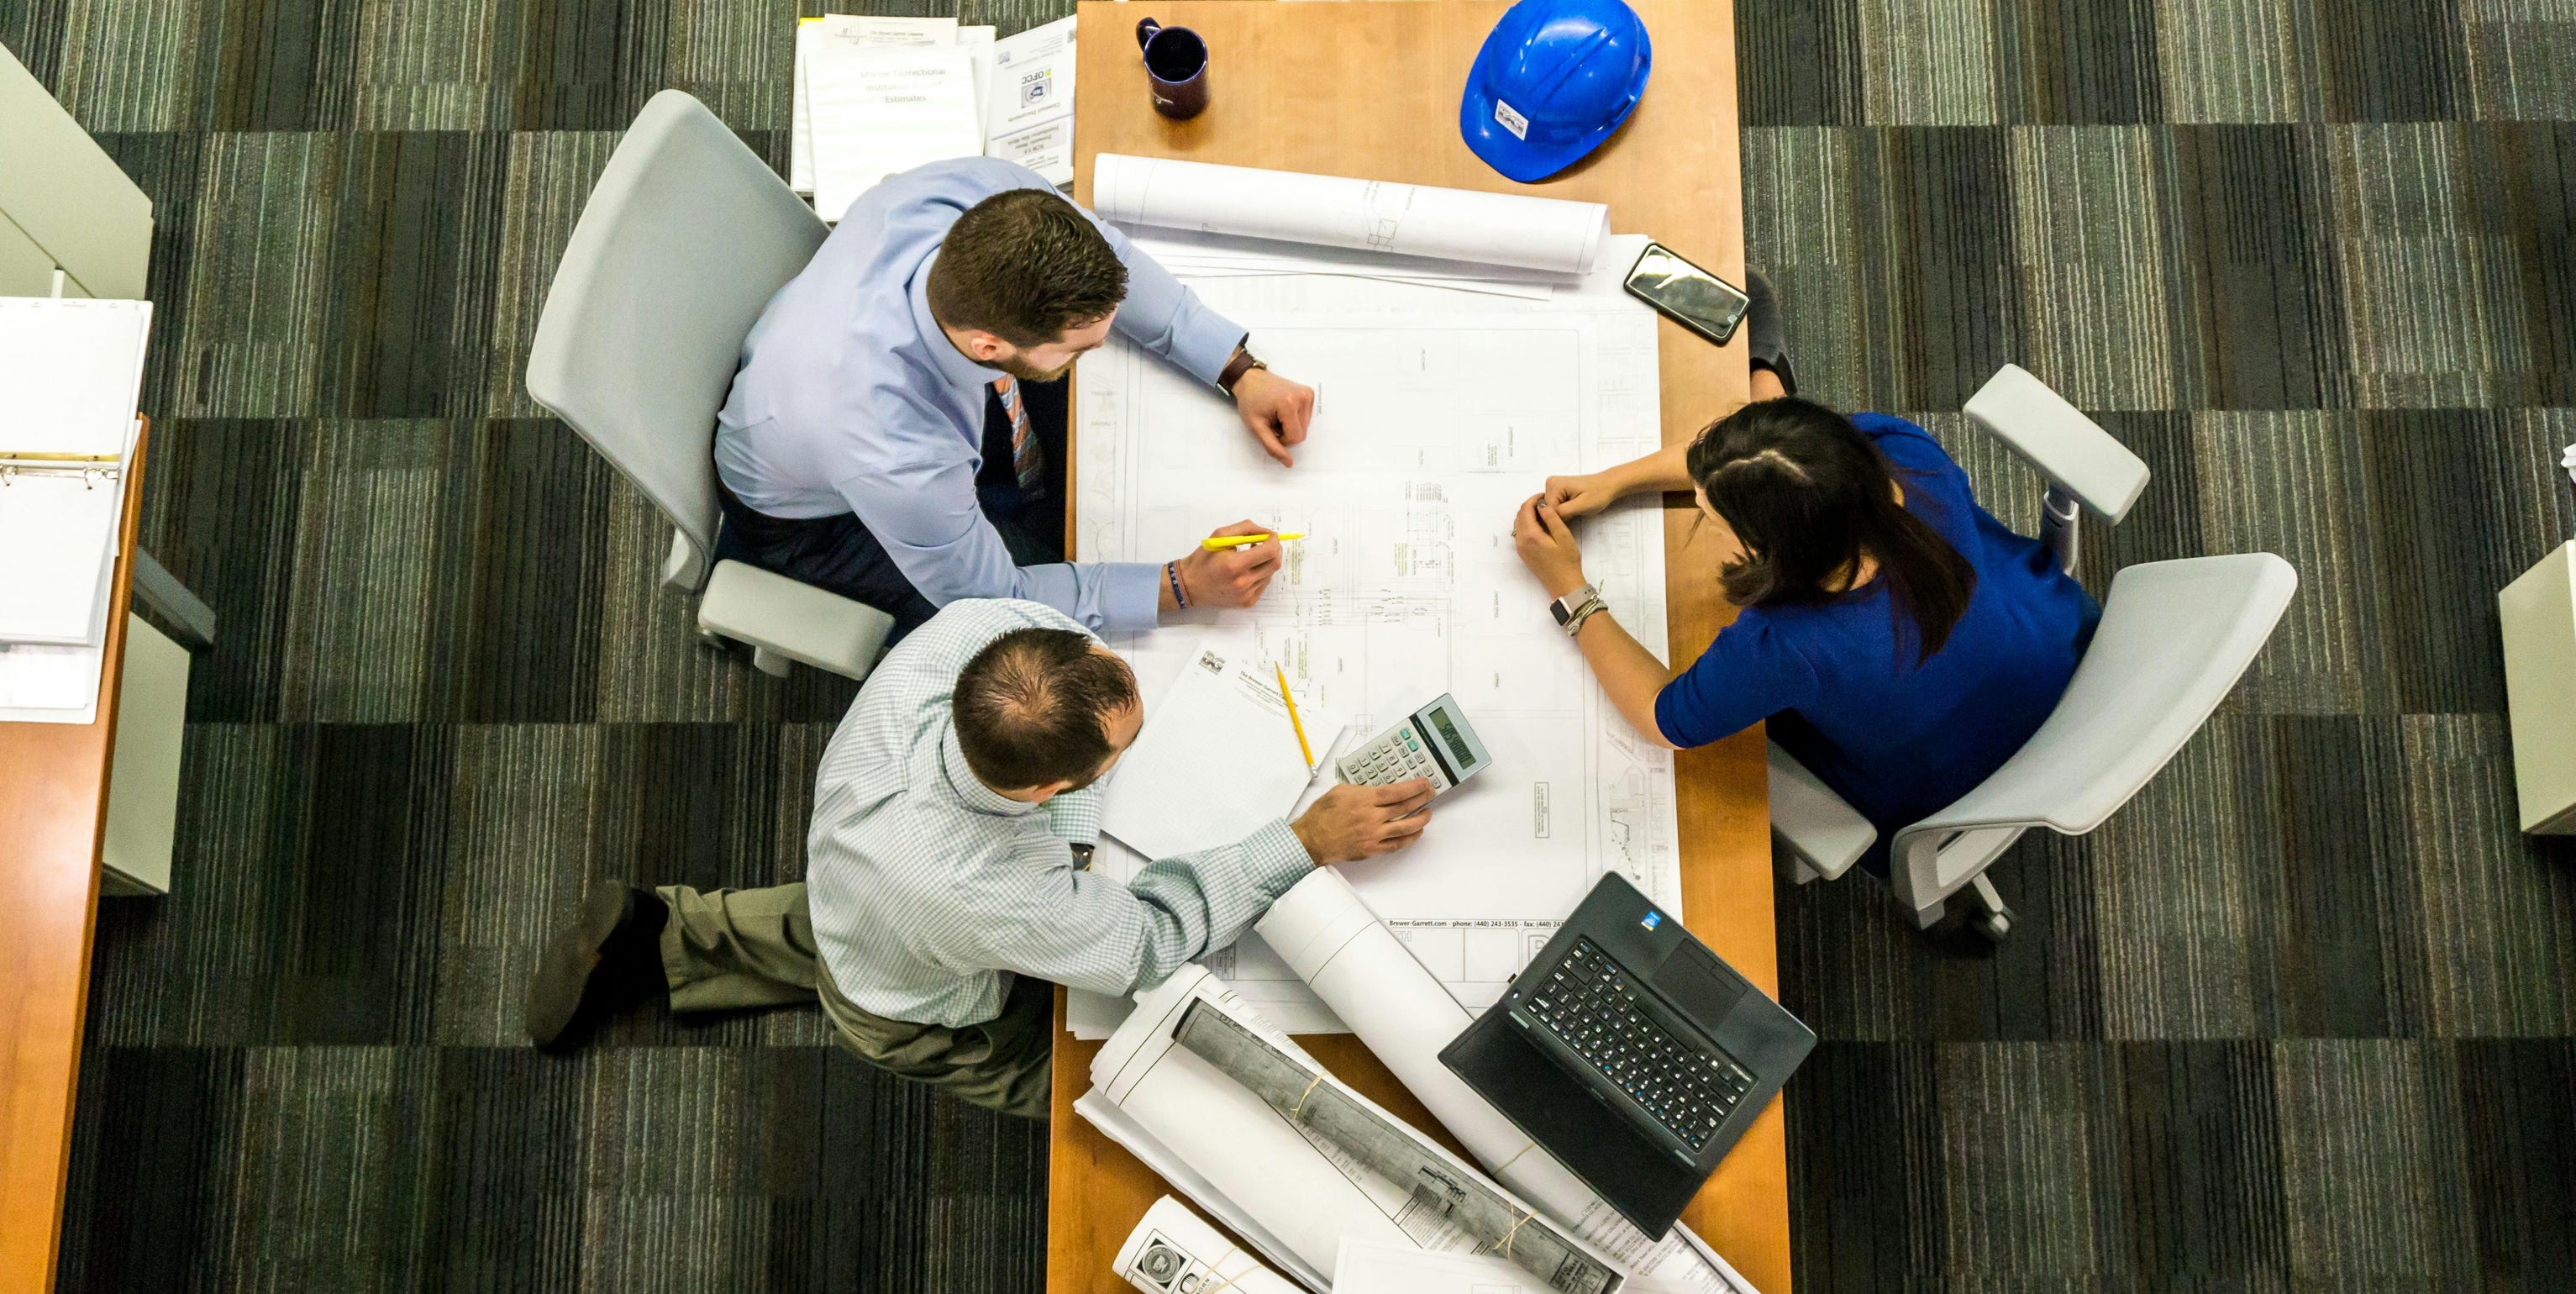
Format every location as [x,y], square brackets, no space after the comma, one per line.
[2302,1016]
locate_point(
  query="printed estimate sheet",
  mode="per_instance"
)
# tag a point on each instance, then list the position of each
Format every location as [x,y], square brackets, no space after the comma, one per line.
[1438,412]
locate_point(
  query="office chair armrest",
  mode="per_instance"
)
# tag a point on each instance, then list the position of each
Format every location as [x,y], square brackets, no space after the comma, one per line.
[2059,442]
[1813,823]
[795,620]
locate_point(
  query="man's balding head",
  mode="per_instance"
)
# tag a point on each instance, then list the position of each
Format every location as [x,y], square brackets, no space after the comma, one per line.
[1042,708]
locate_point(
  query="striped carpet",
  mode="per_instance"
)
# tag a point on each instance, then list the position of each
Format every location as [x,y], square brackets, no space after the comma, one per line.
[2299,1018]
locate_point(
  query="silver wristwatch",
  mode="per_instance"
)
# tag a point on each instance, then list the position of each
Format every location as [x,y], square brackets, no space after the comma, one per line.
[1576,607]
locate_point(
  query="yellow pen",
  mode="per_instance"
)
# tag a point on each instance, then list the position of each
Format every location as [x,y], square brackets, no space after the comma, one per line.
[1238,541]
[1293,720]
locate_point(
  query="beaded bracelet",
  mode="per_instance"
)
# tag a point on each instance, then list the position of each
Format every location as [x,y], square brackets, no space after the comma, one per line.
[1172,572]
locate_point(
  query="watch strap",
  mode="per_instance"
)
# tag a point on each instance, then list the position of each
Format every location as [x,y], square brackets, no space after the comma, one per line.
[1235,368]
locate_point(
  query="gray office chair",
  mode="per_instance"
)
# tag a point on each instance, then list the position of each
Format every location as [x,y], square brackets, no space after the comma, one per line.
[684,240]
[2175,636]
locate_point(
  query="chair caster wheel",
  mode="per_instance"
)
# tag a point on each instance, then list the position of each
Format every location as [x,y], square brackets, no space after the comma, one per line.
[1995,926]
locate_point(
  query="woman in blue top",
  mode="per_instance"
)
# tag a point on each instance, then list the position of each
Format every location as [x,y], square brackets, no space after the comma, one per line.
[1901,641]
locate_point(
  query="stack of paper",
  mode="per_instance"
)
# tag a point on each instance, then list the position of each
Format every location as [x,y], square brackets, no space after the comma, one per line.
[69,374]
[874,96]
[1217,758]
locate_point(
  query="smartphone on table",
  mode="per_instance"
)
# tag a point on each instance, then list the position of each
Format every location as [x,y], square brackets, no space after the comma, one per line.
[1686,294]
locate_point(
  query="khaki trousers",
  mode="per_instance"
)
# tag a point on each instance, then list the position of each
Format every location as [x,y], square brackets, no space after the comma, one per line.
[732,949]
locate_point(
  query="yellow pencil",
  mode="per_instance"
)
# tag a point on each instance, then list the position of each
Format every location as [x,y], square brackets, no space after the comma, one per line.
[1238,541]
[1293,720]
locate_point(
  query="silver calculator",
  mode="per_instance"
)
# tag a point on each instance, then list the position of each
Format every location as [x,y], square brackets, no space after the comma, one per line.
[1433,742]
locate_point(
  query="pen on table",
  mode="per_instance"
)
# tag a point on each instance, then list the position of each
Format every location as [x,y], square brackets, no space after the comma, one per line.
[1293,720]
[1237,541]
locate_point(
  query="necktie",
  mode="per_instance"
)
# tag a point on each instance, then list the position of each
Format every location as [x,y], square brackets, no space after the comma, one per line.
[1028,457]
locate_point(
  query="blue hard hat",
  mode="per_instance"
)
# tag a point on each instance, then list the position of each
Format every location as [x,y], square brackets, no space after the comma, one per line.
[1554,79]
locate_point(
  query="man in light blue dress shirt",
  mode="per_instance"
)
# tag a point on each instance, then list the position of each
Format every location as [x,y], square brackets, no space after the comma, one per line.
[946,882]
[896,431]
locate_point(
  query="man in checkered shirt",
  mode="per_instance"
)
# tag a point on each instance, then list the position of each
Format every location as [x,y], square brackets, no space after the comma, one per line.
[945,890]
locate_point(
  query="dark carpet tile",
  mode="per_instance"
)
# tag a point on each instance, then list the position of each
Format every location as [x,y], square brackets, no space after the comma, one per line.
[1935,255]
[377,807]
[278,64]
[2200,1164]
[2391,60]
[220,498]
[2519,1124]
[1798,63]
[150,1205]
[2079,62]
[583,64]
[2257,268]
[1866,1186]
[411,267]
[2337,794]
[529,651]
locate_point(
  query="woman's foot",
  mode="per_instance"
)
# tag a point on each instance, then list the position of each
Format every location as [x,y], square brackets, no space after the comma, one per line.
[1768,349]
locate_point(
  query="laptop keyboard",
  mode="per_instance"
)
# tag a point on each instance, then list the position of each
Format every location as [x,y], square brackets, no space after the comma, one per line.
[1591,1004]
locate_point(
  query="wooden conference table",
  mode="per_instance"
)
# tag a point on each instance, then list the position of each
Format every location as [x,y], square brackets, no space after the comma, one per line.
[53,815]
[1371,89]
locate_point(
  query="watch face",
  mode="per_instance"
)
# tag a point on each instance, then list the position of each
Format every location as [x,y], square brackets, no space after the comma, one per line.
[1559,610]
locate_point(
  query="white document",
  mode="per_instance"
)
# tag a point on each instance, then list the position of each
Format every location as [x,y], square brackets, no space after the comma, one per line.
[1173,1249]
[978,42]
[1362,970]
[58,531]
[1435,422]
[1028,116]
[70,372]
[1113,1123]
[881,111]
[1374,215]
[1217,759]
[1365,1268]
[845,31]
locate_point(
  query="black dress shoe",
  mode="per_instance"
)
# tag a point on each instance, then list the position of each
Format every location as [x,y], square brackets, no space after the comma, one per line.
[609,957]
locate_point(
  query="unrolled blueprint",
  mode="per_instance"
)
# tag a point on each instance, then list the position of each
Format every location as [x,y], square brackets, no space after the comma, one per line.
[1438,413]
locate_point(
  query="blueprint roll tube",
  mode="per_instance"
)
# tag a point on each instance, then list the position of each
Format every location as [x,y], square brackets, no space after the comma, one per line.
[1174,1251]
[1399,1010]
[1424,221]
[1225,1133]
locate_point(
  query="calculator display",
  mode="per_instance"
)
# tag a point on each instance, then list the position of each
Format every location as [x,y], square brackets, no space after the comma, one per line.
[1449,733]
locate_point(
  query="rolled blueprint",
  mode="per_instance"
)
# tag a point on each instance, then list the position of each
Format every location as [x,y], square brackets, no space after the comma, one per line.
[1307,1191]
[1229,1135]
[1399,1010]
[1422,220]
[1172,1251]
[1364,1135]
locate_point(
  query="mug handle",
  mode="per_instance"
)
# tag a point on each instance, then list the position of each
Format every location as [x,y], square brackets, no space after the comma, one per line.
[1145,31]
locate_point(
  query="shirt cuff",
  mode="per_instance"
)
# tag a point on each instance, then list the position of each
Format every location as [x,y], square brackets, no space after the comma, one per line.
[1202,347]
[1131,595]
[1278,859]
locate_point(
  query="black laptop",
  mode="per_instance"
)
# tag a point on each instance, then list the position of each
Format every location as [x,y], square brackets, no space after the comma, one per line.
[1631,1053]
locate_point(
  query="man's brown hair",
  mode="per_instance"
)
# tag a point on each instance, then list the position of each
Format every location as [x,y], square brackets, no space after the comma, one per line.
[1033,707]
[1025,265]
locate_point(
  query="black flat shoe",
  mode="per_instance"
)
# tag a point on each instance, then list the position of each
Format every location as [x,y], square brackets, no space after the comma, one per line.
[608,957]
[1764,343]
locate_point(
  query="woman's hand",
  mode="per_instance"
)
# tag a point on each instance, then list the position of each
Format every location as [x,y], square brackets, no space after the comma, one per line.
[1547,546]
[1580,496]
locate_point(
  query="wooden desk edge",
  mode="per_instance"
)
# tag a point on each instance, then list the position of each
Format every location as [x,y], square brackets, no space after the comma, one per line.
[35,1170]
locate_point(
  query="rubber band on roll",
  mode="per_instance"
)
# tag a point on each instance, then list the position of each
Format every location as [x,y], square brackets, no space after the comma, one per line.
[1298,1115]
[1516,1230]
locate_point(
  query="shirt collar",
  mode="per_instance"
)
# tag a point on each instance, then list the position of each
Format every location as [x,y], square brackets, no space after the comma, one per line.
[970,789]
[951,362]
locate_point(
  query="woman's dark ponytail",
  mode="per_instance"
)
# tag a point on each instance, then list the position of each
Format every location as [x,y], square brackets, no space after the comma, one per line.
[1808,494]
